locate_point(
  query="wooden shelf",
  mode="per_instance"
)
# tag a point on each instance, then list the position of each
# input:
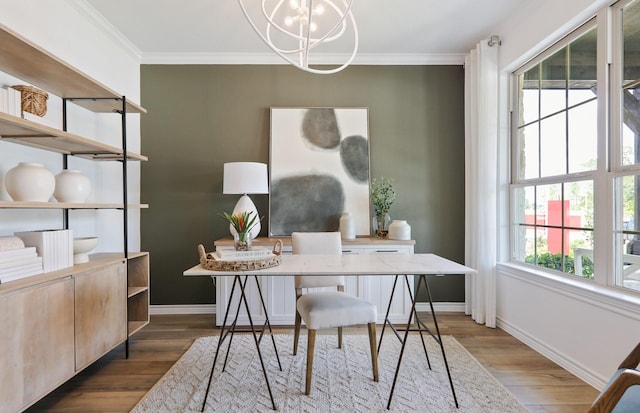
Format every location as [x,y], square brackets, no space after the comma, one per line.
[27,61]
[65,205]
[131,291]
[135,326]
[37,135]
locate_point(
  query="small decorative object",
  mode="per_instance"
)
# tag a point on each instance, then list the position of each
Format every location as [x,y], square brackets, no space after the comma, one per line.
[72,186]
[242,223]
[399,230]
[208,260]
[382,197]
[347,226]
[30,182]
[81,247]
[33,99]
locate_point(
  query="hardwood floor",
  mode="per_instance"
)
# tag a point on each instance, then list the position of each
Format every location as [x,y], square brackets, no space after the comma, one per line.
[115,384]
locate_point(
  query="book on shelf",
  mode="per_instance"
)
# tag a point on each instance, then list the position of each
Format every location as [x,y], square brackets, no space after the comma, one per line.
[11,255]
[20,261]
[232,255]
[54,246]
[17,269]
[18,274]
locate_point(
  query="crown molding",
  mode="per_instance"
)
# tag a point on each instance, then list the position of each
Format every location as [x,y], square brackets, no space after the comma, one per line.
[273,59]
[102,24]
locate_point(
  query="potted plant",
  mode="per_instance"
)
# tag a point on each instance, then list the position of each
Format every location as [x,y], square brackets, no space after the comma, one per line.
[382,197]
[242,223]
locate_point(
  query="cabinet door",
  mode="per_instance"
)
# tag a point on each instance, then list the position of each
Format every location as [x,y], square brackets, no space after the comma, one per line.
[101,312]
[36,342]
[377,289]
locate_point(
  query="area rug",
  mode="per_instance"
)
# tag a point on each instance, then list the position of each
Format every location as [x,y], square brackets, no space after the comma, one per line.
[342,379]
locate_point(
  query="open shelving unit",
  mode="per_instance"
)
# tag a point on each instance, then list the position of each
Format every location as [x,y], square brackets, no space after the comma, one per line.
[24,60]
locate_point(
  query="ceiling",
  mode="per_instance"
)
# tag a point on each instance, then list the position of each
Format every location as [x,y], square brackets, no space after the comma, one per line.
[192,31]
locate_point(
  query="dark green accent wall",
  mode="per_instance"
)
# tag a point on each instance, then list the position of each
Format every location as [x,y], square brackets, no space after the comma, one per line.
[201,116]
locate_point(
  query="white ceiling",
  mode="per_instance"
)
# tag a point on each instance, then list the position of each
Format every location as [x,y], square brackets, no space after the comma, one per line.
[206,31]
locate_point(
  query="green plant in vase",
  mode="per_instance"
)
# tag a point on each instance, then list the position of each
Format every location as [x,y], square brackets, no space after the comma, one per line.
[382,197]
[242,223]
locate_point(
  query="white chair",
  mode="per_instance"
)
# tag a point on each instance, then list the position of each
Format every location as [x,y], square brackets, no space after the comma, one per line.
[328,309]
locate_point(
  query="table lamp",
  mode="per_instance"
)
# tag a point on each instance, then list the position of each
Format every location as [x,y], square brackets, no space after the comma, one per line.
[245,178]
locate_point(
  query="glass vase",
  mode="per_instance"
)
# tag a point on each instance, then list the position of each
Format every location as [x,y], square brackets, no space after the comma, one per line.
[242,241]
[381,225]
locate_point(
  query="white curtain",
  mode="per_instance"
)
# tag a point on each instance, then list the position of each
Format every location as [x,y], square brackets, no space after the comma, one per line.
[481,180]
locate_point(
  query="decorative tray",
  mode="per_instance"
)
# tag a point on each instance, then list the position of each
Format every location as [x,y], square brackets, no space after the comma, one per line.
[209,262]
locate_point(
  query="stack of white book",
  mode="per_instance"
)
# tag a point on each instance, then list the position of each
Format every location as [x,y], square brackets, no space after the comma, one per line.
[54,246]
[255,253]
[10,101]
[17,261]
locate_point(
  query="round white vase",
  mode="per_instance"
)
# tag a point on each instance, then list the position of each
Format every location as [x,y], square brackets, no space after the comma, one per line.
[347,226]
[30,182]
[72,186]
[399,230]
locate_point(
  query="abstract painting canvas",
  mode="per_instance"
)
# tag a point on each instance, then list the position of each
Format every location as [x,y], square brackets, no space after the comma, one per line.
[319,169]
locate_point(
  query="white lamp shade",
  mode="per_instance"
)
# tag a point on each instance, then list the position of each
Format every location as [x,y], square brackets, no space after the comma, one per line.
[245,178]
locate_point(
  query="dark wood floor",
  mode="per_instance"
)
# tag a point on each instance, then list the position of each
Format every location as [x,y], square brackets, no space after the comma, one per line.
[115,384]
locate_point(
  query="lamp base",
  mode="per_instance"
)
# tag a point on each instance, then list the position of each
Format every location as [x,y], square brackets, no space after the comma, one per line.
[246,204]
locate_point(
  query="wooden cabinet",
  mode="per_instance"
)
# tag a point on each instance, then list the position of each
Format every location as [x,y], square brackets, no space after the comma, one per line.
[100,312]
[37,343]
[279,291]
[137,291]
[54,324]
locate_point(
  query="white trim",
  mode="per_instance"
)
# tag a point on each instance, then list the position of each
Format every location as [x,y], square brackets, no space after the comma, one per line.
[273,59]
[611,299]
[560,359]
[441,307]
[211,308]
[183,309]
[105,26]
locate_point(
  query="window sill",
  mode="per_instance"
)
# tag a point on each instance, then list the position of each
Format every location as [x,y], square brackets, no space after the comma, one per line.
[609,298]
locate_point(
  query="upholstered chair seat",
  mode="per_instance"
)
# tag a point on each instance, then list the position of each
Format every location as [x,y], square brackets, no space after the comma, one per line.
[327,309]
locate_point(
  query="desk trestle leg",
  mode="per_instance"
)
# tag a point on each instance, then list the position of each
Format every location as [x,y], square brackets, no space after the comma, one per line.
[421,327]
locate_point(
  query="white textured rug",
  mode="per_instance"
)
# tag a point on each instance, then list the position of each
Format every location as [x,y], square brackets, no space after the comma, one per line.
[342,379]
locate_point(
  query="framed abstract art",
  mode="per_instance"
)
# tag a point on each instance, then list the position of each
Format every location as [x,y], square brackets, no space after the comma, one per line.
[319,161]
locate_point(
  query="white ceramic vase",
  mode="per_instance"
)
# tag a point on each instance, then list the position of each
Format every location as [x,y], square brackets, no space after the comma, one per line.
[399,230]
[347,226]
[30,182]
[72,186]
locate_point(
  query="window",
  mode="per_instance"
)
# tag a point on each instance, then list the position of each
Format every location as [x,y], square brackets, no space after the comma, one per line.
[626,125]
[575,190]
[556,156]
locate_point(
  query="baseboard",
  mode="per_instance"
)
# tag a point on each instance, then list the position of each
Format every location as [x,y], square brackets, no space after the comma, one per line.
[183,309]
[211,308]
[440,307]
[552,354]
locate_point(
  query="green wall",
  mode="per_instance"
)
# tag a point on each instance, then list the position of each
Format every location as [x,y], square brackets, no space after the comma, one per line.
[201,116]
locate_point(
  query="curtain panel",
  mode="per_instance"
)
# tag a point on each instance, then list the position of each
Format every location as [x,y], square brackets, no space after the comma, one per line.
[481,180]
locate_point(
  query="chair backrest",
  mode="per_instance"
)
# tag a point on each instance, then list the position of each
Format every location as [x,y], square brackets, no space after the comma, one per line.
[317,243]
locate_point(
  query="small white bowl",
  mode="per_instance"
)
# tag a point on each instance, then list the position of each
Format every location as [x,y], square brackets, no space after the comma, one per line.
[81,246]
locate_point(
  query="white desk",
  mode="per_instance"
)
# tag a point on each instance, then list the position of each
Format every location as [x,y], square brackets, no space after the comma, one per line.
[420,265]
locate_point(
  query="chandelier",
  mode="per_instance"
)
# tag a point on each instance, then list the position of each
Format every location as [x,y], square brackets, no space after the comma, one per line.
[296,28]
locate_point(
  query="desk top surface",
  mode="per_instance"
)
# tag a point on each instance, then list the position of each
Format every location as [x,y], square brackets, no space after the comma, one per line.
[352,264]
